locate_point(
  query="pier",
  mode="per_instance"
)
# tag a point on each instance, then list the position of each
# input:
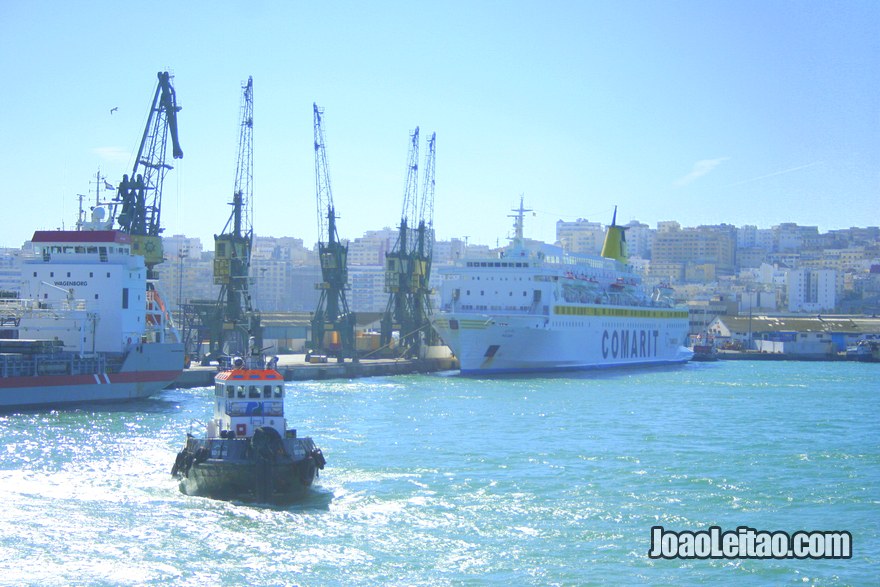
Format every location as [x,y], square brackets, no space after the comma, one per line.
[295,368]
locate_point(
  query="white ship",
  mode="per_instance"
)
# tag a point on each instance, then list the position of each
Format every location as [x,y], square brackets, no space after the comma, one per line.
[534,307]
[88,327]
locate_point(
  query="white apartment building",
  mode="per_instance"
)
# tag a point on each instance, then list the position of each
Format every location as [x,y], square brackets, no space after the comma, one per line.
[580,236]
[179,245]
[639,239]
[811,290]
[10,270]
[367,288]
[371,248]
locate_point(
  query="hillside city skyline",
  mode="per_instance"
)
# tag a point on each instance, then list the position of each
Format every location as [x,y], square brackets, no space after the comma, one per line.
[786,268]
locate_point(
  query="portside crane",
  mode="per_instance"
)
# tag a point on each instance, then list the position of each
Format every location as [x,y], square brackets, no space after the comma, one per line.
[139,195]
[399,311]
[332,323]
[408,266]
[232,248]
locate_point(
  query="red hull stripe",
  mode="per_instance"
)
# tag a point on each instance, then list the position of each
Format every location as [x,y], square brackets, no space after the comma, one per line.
[81,236]
[91,379]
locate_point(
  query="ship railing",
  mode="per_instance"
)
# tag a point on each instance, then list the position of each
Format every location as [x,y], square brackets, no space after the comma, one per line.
[247,362]
[535,308]
[20,307]
[20,365]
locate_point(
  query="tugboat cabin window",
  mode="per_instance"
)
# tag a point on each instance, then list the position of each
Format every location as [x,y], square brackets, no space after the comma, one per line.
[279,391]
[240,391]
[254,392]
[230,391]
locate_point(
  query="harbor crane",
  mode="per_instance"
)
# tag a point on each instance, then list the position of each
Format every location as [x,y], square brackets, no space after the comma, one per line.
[229,322]
[237,320]
[398,312]
[139,195]
[332,323]
[408,265]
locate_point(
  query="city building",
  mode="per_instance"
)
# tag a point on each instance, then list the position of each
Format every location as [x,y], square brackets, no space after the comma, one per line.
[371,248]
[10,271]
[806,336]
[811,290]
[703,245]
[580,236]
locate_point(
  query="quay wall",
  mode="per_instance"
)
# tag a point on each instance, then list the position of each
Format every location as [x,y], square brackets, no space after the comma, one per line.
[298,370]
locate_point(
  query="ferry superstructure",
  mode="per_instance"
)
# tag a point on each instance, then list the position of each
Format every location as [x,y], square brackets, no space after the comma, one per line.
[534,307]
[88,326]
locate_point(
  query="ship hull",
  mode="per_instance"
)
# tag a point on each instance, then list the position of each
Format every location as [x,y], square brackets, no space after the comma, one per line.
[236,469]
[517,343]
[145,370]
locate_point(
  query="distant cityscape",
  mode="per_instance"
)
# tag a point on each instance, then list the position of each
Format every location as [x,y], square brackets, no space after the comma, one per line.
[717,269]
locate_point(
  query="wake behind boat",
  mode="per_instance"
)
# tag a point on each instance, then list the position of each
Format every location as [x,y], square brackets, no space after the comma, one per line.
[534,307]
[248,453]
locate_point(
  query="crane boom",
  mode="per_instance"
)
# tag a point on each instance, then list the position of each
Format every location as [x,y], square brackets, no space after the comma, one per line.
[410,191]
[426,207]
[322,176]
[140,194]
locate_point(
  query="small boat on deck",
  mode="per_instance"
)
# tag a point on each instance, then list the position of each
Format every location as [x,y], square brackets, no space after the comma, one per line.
[248,453]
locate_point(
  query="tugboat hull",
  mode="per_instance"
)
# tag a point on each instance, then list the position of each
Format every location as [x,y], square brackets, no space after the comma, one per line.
[265,468]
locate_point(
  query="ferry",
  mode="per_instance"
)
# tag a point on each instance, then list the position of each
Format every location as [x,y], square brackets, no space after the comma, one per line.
[87,327]
[247,452]
[534,307]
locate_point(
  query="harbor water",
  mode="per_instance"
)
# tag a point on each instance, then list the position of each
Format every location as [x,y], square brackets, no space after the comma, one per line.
[447,480]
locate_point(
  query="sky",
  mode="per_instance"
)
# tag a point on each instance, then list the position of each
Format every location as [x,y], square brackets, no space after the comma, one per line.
[703,111]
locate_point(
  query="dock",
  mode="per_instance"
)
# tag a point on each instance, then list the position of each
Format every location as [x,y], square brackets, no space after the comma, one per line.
[729,355]
[295,368]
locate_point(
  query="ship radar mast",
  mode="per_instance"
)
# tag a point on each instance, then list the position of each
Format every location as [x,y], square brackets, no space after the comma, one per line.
[518,222]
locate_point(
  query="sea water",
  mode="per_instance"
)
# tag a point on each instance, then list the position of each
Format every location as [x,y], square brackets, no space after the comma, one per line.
[448,480]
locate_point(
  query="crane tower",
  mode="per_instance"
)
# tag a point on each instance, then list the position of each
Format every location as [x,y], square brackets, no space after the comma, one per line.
[398,313]
[333,323]
[232,248]
[408,265]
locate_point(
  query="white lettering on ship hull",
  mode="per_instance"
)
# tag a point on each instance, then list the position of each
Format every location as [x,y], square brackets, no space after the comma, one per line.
[629,344]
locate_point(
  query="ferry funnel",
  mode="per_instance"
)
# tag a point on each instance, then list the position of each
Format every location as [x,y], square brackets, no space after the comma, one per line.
[615,241]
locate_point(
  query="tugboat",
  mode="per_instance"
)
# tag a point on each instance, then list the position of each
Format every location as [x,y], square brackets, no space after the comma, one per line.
[248,453]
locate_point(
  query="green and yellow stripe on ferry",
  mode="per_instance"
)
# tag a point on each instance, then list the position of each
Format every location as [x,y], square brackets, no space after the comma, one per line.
[618,312]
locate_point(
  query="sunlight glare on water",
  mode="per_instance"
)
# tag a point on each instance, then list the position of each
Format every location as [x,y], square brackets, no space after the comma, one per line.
[442,480]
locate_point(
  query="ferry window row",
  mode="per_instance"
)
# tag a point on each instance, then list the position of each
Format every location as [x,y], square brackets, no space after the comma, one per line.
[80,249]
[250,391]
[91,274]
[496,264]
[483,292]
[492,278]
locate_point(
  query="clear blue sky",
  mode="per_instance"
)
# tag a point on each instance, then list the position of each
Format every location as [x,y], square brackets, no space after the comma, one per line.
[745,112]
